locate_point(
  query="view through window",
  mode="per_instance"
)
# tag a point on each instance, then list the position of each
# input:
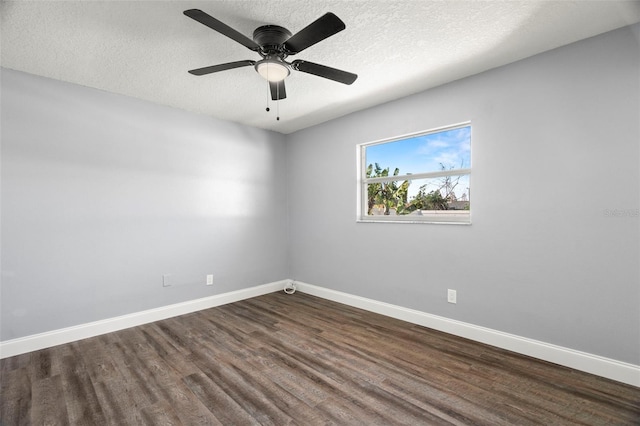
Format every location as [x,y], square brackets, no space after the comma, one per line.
[424,177]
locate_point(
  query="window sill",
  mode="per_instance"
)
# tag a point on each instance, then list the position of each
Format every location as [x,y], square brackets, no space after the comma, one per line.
[449,217]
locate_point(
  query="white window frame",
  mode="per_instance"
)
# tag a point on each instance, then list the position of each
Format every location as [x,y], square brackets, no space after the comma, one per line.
[459,217]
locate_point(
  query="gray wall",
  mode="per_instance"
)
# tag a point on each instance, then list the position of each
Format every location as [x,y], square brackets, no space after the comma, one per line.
[555,143]
[103,194]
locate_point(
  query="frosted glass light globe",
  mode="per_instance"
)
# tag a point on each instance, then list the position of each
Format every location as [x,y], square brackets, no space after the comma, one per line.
[271,70]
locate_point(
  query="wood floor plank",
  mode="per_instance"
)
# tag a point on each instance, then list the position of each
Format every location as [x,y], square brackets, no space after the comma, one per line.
[223,407]
[129,386]
[227,376]
[299,360]
[82,403]
[160,414]
[40,364]
[51,408]
[116,402]
[16,399]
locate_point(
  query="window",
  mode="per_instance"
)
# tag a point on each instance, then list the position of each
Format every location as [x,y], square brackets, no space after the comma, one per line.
[422,177]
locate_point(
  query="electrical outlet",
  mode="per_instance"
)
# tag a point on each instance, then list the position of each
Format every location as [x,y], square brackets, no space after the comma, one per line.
[209,279]
[451,296]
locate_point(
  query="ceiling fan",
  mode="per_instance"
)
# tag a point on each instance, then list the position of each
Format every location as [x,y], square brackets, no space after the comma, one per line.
[274,44]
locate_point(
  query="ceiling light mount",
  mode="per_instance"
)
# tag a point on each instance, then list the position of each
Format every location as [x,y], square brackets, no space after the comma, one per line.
[271,38]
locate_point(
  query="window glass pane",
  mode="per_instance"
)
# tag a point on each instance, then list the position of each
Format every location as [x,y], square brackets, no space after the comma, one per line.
[419,197]
[445,150]
[413,194]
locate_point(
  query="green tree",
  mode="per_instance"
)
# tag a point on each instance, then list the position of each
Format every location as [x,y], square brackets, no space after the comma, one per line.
[448,185]
[438,198]
[424,200]
[388,194]
[374,189]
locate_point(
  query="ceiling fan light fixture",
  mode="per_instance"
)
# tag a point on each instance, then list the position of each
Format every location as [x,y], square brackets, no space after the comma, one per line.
[272,70]
[274,44]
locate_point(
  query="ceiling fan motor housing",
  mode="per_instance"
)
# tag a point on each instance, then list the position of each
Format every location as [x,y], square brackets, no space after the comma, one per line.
[271,38]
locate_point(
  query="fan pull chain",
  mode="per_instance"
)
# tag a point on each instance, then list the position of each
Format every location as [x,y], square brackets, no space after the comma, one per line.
[268,90]
[268,94]
[277,99]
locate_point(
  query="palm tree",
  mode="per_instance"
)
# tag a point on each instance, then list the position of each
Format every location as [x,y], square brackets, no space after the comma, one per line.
[388,194]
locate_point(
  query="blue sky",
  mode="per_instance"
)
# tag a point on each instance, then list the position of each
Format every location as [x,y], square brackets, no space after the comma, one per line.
[425,153]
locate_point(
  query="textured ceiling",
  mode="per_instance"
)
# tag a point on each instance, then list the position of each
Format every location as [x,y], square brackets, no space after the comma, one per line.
[143,49]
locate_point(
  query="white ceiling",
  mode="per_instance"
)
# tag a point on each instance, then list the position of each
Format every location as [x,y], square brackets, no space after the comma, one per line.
[143,49]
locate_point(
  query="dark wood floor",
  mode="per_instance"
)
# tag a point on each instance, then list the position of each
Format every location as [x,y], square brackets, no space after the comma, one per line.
[297,359]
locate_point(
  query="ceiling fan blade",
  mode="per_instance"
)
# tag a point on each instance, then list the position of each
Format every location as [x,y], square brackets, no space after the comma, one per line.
[221,27]
[323,27]
[324,71]
[221,67]
[277,90]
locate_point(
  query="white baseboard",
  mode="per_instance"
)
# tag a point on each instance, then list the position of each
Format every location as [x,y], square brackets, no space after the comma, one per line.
[594,364]
[65,335]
